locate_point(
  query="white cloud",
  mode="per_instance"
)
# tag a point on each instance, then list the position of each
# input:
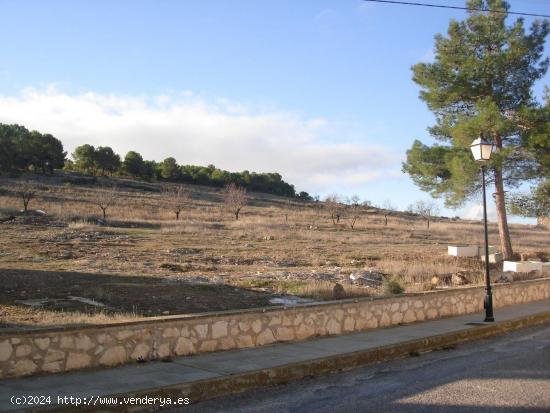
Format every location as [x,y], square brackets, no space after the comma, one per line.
[475,211]
[225,133]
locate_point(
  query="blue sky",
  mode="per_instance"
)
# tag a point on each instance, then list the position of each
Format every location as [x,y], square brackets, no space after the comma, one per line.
[318,90]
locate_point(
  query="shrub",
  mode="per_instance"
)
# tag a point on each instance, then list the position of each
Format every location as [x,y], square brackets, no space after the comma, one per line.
[392,287]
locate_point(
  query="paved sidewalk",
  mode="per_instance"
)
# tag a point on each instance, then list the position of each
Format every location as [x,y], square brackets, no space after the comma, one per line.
[206,375]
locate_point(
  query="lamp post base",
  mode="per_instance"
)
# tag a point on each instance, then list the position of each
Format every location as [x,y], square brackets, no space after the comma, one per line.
[488,305]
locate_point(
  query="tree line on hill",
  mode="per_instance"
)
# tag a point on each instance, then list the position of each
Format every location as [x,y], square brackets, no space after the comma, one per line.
[22,150]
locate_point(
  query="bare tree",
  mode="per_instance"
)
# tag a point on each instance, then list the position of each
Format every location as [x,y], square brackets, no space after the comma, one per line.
[426,209]
[26,193]
[388,207]
[175,199]
[317,208]
[354,210]
[234,198]
[288,208]
[335,207]
[105,198]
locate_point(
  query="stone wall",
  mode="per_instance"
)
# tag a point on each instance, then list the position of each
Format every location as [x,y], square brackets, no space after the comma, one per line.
[63,349]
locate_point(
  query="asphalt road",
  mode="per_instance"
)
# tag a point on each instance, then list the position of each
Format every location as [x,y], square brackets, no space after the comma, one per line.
[509,373]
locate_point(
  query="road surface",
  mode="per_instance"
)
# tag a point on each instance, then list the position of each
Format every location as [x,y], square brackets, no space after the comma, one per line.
[505,374]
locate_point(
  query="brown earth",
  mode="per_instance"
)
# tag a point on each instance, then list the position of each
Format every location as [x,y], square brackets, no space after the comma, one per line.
[142,262]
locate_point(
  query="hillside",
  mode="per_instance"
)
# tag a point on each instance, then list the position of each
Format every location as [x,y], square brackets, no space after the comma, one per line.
[68,265]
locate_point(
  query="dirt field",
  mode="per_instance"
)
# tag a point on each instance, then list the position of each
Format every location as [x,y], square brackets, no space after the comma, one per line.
[69,267]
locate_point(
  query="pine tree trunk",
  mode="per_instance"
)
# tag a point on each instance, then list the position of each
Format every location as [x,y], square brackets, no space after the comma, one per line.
[503,231]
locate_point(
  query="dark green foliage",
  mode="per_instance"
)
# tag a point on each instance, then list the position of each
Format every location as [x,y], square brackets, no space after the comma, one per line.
[92,160]
[106,160]
[133,164]
[196,174]
[150,170]
[84,159]
[481,81]
[536,139]
[169,170]
[443,170]
[272,183]
[537,143]
[48,153]
[21,150]
[535,204]
[304,196]
[9,148]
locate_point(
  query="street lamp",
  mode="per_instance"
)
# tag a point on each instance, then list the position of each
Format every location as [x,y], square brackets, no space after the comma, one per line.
[482,150]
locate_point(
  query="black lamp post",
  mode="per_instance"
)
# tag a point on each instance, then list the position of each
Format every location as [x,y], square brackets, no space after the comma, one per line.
[482,150]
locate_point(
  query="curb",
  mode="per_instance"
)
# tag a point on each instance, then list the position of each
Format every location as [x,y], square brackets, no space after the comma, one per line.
[203,390]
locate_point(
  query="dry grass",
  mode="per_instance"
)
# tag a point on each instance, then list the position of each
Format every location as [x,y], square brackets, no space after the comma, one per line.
[31,318]
[294,250]
[323,291]
[315,290]
[422,269]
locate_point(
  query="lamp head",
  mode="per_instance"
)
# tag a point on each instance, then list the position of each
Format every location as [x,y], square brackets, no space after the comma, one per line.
[481,149]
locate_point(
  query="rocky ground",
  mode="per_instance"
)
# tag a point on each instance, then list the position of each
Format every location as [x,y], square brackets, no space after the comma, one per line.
[58,267]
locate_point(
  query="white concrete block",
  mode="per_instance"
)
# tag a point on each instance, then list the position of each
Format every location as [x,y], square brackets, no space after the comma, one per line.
[522,266]
[512,266]
[536,266]
[546,268]
[463,251]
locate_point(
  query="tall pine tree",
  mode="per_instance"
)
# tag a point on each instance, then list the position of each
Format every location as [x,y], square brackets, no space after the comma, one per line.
[481,81]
